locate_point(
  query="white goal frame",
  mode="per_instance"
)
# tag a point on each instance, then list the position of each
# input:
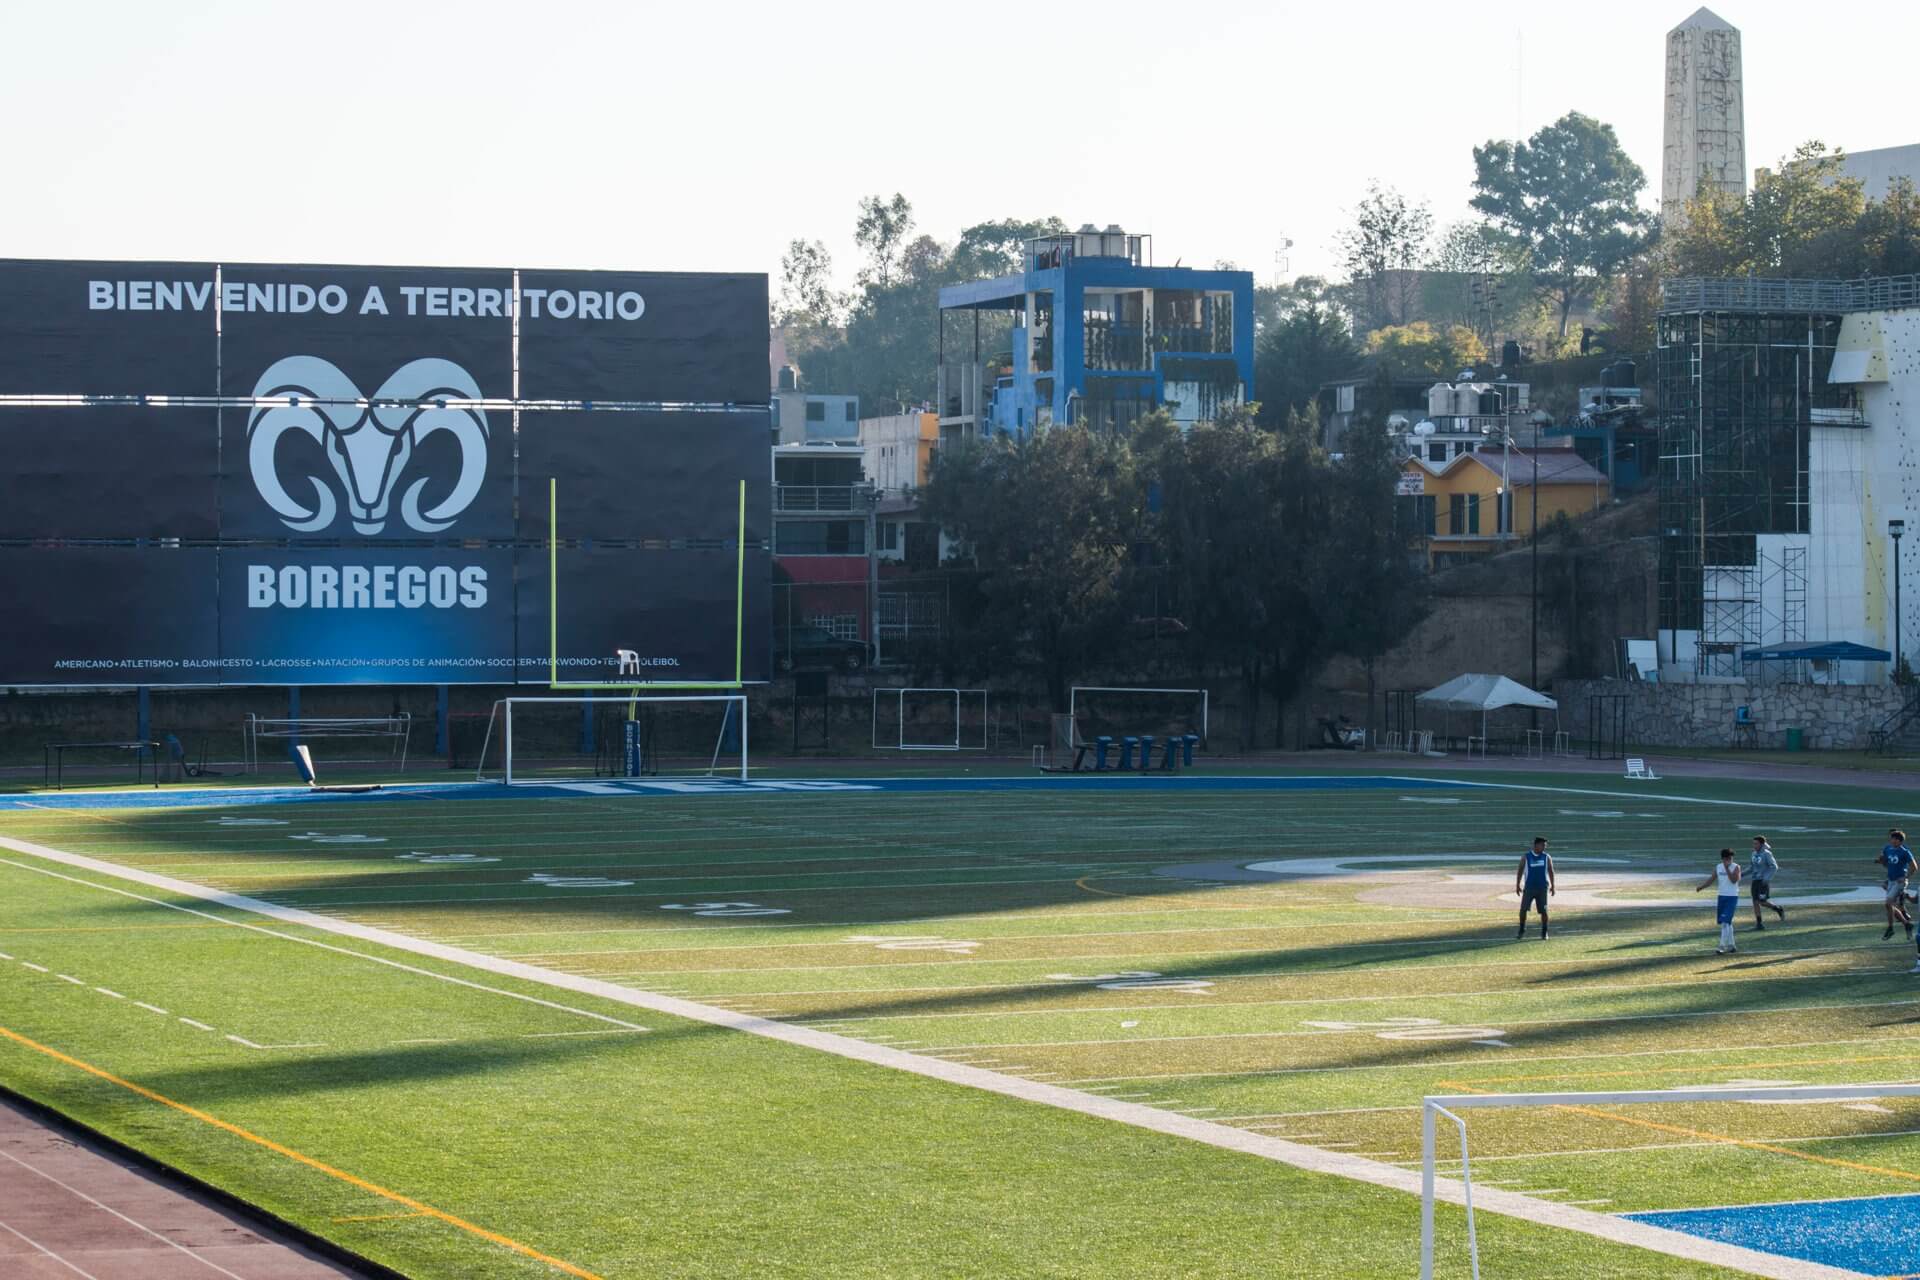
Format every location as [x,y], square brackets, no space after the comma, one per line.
[900,742]
[1073,704]
[502,715]
[1436,1105]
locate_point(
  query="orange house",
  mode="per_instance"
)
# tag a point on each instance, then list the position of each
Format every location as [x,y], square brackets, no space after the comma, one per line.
[1481,502]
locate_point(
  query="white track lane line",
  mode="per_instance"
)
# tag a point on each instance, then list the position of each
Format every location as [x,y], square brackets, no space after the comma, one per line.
[141,1226]
[1312,1159]
[46,1252]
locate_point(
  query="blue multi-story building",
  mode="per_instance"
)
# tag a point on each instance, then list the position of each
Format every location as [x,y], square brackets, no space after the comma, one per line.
[1090,332]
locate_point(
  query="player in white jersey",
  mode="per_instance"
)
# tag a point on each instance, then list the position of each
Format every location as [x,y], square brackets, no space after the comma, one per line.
[1726,879]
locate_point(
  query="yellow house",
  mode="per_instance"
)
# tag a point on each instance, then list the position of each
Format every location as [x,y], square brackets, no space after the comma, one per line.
[1483,501]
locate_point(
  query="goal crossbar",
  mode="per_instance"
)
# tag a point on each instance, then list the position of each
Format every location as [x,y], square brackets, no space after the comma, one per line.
[1435,1106]
[501,720]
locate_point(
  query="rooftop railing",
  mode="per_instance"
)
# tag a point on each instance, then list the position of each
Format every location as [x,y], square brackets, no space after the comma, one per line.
[1754,293]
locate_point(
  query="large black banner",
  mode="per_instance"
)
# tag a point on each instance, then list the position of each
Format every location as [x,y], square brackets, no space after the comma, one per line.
[109,615]
[358,460]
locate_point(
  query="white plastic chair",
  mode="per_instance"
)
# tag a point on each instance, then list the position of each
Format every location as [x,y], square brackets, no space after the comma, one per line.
[629,662]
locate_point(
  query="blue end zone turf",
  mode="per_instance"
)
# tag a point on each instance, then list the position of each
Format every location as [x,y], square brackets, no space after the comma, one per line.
[708,786]
[1878,1236]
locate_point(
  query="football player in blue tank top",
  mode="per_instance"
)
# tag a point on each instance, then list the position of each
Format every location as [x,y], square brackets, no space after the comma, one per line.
[1898,860]
[1533,881]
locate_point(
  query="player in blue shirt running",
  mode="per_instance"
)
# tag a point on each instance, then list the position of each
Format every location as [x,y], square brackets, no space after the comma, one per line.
[1898,860]
[1533,881]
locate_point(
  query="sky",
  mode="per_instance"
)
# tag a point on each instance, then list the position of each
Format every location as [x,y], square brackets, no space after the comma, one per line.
[706,136]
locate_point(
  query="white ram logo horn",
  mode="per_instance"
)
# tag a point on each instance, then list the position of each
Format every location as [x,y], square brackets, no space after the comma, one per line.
[314,391]
[368,446]
[427,381]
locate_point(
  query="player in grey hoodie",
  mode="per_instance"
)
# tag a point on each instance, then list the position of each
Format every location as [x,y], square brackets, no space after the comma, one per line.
[1760,875]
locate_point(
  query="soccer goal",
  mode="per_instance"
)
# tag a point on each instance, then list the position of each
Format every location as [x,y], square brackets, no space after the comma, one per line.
[930,719]
[559,739]
[1099,711]
[1446,1106]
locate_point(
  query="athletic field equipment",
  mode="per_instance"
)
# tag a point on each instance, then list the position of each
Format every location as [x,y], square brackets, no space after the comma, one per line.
[1436,1105]
[53,759]
[1097,710]
[549,739]
[913,719]
[1637,769]
[303,761]
[394,731]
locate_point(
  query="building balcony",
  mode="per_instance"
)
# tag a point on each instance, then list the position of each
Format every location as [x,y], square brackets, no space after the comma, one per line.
[808,499]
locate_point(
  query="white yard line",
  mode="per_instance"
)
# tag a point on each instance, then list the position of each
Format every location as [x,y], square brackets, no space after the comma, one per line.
[1226,1137]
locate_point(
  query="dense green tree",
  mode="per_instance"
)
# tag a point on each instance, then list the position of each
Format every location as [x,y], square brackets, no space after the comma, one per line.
[1049,524]
[1420,350]
[1568,197]
[881,230]
[1802,218]
[1308,345]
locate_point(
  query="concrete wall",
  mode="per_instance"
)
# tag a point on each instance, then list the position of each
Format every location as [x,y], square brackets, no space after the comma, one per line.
[1701,715]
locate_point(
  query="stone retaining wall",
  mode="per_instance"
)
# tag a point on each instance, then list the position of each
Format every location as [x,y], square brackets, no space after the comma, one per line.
[1831,717]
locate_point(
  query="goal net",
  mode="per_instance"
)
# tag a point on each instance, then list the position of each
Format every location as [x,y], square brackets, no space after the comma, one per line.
[555,739]
[930,719]
[1651,1162]
[1128,712]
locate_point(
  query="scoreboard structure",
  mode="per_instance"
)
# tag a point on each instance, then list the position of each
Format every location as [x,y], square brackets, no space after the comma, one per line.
[246,474]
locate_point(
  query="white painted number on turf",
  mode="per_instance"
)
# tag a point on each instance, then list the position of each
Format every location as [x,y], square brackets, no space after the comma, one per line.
[1430,800]
[1413,1029]
[1797,831]
[1138,980]
[575,882]
[321,837]
[461,858]
[726,909]
[894,942]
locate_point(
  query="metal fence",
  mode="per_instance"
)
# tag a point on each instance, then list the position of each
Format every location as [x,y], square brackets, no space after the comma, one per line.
[1754,293]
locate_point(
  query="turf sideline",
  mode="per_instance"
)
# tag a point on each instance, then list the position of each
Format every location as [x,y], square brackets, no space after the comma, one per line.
[1312,1159]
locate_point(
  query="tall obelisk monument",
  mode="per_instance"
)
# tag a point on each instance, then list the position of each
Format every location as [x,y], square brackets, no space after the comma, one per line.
[1706,134]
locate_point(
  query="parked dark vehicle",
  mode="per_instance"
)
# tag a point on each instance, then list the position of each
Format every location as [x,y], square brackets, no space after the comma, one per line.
[806,647]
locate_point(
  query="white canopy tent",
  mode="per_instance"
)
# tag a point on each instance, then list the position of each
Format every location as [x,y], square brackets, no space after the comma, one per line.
[1484,693]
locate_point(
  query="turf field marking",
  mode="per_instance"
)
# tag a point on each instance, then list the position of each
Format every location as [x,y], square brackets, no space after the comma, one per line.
[1227,1137]
[1673,799]
[1703,1135]
[281,1149]
[37,968]
[268,909]
[199,1026]
[115,994]
[1671,1146]
[150,1008]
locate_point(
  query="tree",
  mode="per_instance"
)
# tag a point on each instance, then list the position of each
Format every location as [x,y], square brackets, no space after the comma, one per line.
[986,250]
[1802,217]
[1417,349]
[1568,197]
[1381,251]
[1049,522]
[1475,277]
[881,230]
[1310,345]
[806,286]
[1373,592]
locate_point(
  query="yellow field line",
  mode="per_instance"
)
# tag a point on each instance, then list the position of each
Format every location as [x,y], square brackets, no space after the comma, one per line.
[1704,1136]
[419,1208]
[1081,883]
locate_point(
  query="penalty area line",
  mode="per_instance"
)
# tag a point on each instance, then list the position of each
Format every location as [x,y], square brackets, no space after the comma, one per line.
[1227,1137]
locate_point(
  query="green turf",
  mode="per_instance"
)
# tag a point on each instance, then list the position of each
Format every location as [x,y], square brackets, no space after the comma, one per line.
[1318,1009]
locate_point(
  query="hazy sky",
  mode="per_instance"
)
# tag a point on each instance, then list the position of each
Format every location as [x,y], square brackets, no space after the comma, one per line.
[707,135]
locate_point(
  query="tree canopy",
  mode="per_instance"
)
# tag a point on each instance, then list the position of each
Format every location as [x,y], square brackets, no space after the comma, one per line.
[1802,218]
[1413,350]
[1382,250]
[1568,197]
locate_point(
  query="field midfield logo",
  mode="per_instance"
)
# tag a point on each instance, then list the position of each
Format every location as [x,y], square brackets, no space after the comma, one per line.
[368,440]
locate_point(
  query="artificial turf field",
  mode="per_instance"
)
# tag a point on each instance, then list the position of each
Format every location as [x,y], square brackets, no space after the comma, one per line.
[448,1121]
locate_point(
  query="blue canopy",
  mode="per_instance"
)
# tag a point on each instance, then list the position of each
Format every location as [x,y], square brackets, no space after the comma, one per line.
[1819,650]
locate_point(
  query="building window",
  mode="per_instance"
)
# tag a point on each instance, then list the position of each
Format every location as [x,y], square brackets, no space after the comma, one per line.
[887,535]
[853,411]
[1456,513]
[820,537]
[1473,513]
[1428,507]
[816,411]
[1436,451]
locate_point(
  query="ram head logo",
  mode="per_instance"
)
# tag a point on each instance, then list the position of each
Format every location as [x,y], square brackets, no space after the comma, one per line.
[368,440]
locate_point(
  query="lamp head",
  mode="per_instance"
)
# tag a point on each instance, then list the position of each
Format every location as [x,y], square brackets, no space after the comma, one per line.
[1895,528]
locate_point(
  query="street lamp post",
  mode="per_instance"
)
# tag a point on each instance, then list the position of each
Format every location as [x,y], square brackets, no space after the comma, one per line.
[1895,528]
